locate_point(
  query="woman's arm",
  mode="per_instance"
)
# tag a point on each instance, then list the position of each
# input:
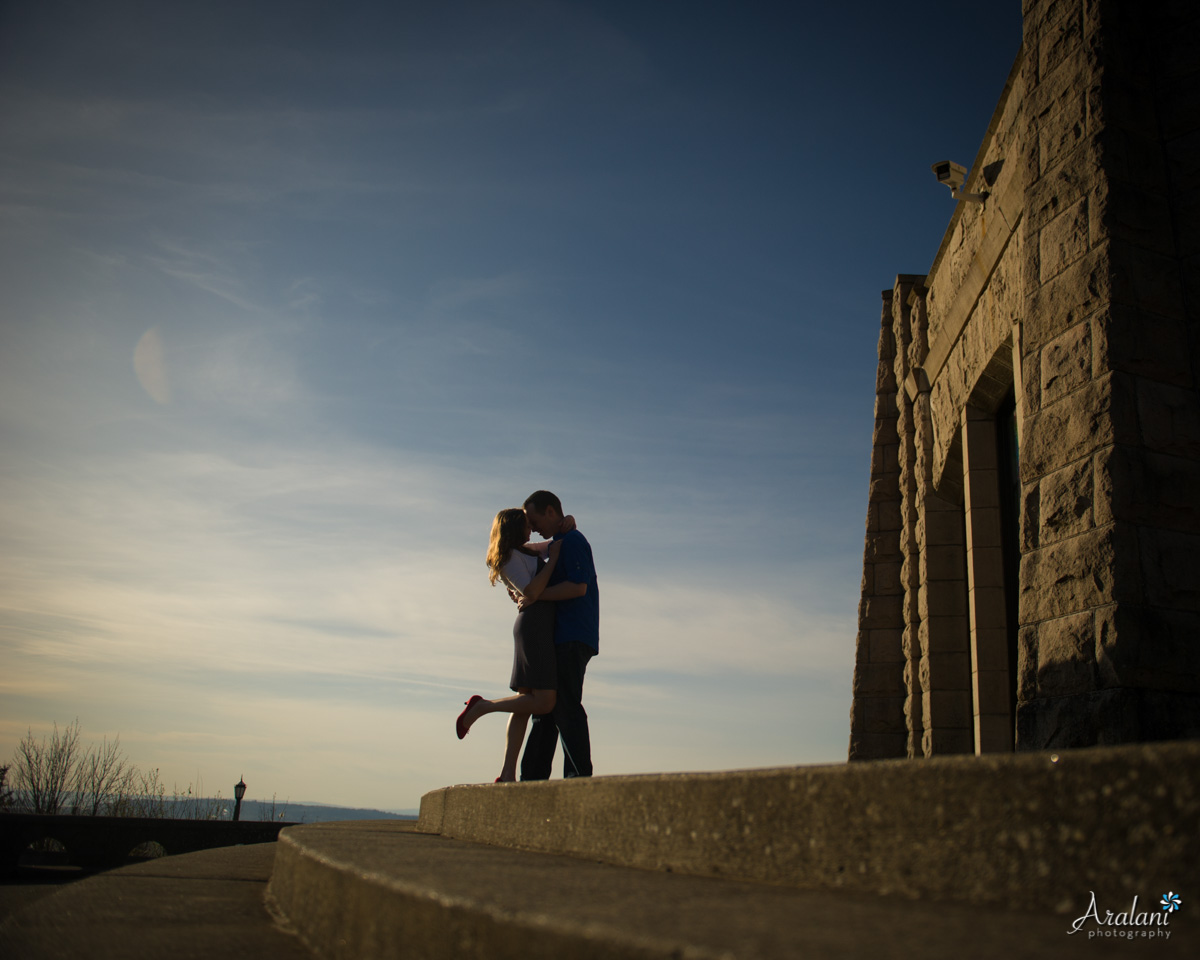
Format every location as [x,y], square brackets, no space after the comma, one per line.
[540,547]
[538,583]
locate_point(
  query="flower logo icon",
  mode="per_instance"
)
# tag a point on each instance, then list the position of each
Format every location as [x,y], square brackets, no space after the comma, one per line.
[1170,902]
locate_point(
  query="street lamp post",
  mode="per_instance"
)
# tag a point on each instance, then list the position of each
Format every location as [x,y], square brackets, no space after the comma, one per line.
[239,791]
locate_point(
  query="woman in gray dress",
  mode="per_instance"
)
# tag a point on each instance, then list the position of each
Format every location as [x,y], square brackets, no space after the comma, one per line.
[520,564]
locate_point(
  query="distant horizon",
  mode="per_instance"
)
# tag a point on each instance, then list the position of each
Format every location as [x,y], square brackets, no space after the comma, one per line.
[253,805]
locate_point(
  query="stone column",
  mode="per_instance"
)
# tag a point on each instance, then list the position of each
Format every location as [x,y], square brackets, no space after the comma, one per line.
[877,726]
[910,573]
[943,633]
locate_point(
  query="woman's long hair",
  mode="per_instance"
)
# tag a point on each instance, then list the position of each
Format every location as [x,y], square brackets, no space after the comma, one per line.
[508,533]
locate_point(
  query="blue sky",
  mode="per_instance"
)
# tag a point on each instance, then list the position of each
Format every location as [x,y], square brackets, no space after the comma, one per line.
[297,296]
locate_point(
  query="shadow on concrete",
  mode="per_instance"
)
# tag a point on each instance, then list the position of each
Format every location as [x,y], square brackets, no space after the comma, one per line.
[39,874]
[29,882]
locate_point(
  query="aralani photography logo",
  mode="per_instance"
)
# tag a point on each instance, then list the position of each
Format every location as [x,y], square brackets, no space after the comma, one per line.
[1131,923]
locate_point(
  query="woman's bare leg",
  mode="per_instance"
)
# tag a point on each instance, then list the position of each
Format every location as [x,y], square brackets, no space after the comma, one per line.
[534,701]
[513,739]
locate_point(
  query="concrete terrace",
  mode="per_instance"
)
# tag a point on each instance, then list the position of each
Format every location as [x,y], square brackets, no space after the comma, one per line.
[980,856]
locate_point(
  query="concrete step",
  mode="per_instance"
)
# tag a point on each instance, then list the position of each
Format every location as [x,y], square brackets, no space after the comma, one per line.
[196,906]
[1030,831]
[373,890]
[980,857]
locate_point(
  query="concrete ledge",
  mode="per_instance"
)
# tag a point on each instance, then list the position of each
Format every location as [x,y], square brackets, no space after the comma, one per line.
[1024,830]
[366,891]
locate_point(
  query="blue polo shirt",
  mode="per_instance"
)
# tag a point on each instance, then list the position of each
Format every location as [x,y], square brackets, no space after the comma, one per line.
[577,619]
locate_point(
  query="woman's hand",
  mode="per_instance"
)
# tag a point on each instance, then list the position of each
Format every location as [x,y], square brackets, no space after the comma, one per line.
[568,524]
[535,586]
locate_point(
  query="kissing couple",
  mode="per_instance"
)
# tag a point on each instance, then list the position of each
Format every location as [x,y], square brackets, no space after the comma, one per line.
[555,634]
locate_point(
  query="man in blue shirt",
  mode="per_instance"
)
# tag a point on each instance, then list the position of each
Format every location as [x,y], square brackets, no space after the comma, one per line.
[576,599]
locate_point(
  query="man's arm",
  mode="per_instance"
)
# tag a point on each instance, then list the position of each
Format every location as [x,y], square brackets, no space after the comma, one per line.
[566,590]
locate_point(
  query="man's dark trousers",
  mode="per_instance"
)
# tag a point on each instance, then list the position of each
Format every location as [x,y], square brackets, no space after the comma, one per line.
[568,720]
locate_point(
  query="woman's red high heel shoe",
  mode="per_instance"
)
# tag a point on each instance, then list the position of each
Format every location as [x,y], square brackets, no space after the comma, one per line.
[458,724]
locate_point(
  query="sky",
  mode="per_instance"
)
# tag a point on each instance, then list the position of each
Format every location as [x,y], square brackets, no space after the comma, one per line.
[294,297]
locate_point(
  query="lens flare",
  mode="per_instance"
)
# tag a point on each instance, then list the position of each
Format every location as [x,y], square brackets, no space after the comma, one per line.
[150,367]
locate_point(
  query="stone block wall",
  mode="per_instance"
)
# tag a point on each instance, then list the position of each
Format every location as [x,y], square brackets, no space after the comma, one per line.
[1071,297]
[1110,586]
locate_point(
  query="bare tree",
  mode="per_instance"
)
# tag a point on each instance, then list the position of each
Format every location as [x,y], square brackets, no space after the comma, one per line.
[104,777]
[44,770]
[146,797]
[6,794]
[54,776]
[275,811]
[193,805]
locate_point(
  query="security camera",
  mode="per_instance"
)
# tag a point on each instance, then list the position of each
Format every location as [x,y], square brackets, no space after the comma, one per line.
[954,175]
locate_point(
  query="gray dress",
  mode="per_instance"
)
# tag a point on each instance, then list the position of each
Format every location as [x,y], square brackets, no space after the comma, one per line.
[534,666]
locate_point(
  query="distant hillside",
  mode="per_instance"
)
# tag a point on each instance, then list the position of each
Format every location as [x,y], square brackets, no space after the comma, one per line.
[314,812]
[222,809]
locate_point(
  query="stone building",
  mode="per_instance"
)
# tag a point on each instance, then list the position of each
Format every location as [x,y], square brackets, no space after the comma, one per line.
[1031,575]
